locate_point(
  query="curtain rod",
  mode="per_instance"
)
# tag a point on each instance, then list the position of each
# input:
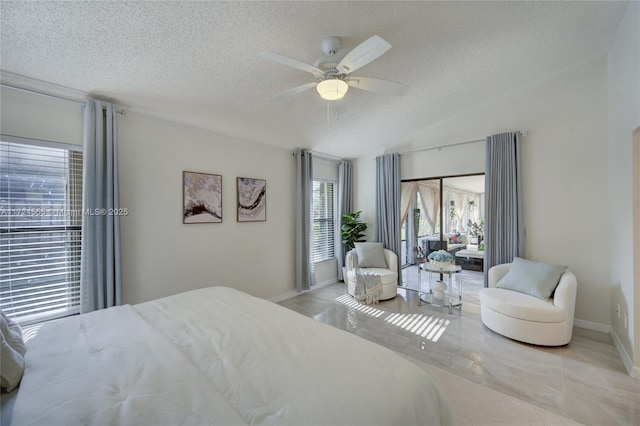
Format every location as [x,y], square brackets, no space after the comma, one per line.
[48,95]
[523,133]
[327,156]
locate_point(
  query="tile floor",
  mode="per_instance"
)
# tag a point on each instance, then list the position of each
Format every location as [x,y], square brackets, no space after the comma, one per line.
[584,381]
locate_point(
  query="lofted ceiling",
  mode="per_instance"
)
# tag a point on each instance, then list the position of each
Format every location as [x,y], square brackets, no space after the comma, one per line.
[197,62]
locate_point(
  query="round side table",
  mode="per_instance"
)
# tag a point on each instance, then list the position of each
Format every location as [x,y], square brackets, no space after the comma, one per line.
[450,275]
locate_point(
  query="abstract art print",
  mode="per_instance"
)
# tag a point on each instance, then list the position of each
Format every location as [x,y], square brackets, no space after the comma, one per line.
[202,198]
[252,200]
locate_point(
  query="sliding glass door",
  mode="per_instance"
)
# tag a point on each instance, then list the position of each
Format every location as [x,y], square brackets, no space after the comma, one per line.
[441,214]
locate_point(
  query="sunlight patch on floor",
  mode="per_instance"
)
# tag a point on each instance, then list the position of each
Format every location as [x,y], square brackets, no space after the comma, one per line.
[352,303]
[426,326]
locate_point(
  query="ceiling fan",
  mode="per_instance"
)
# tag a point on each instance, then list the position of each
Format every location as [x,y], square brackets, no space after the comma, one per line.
[333,75]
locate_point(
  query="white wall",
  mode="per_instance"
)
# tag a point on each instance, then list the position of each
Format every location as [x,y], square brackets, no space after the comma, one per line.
[624,117]
[468,159]
[39,117]
[564,172]
[364,197]
[161,255]
[634,317]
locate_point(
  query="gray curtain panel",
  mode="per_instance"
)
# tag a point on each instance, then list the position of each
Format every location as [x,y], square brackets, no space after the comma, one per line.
[345,205]
[101,273]
[304,178]
[388,194]
[504,224]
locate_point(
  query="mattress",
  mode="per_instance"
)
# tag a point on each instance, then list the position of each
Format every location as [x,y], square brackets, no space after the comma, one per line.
[216,356]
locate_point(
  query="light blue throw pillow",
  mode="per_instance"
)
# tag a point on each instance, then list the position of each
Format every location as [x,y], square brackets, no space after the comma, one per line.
[370,255]
[534,278]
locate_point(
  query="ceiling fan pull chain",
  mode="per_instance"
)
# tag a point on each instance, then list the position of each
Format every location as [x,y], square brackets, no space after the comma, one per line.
[332,113]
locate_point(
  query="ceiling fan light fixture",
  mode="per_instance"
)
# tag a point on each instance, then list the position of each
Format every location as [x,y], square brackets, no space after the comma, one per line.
[332,89]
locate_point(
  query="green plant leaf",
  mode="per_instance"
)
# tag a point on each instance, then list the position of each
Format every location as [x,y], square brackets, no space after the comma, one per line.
[352,229]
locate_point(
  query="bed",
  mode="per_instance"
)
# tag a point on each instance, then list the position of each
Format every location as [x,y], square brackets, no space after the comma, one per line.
[216,356]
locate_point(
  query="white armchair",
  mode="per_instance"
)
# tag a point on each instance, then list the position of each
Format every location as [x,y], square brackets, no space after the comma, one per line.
[527,318]
[388,276]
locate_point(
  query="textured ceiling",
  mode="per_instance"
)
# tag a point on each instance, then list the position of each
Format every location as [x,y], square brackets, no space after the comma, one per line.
[197,63]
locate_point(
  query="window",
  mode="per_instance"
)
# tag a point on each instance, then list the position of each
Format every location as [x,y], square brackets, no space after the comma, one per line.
[40,229]
[323,221]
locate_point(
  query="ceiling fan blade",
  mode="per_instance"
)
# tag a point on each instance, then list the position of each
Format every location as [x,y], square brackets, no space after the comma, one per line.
[292,92]
[362,54]
[290,62]
[378,85]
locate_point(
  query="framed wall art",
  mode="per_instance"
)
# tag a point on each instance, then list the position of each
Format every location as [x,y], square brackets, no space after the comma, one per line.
[252,200]
[202,198]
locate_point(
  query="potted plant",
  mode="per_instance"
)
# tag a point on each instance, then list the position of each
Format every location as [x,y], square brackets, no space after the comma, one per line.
[352,229]
[475,231]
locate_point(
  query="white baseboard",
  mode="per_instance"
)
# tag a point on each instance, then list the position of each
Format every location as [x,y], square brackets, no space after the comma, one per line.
[294,293]
[626,359]
[596,326]
[603,328]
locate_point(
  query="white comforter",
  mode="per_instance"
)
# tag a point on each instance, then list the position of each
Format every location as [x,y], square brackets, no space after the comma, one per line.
[216,356]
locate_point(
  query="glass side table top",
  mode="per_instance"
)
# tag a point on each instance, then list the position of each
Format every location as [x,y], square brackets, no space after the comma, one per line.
[445,269]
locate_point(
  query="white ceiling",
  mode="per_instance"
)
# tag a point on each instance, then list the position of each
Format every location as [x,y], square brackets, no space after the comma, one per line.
[197,63]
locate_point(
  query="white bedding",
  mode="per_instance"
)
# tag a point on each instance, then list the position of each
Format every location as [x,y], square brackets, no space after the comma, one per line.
[216,356]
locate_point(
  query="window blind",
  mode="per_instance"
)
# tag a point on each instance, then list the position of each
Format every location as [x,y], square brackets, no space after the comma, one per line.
[40,230]
[323,221]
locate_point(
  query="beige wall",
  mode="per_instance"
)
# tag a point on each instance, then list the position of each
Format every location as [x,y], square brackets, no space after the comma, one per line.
[564,172]
[161,255]
[624,117]
[39,117]
[364,187]
[636,249]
